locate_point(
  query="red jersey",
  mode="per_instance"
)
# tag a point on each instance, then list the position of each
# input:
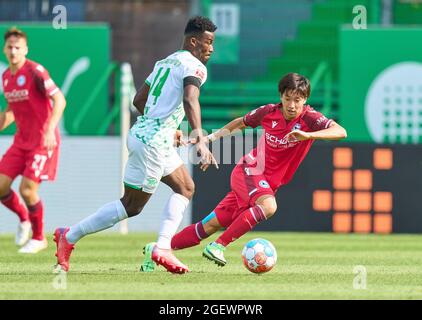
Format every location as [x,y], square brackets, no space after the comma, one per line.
[277,158]
[28,94]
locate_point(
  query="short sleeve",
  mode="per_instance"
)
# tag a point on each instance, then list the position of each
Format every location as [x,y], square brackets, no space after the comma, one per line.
[148,81]
[195,70]
[254,118]
[316,120]
[44,82]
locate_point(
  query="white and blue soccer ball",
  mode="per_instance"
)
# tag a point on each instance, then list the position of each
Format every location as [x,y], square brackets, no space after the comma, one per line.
[259,255]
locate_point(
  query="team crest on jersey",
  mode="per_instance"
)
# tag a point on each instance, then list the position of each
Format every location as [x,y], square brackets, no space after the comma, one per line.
[6,81]
[264,184]
[21,80]
[297,126]
[274,124]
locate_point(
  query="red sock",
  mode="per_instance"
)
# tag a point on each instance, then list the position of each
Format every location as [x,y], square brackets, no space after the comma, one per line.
[14,203]
[245,222]
[36,215]
[189,236]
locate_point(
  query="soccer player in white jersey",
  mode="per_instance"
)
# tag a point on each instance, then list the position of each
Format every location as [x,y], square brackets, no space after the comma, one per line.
[169,91]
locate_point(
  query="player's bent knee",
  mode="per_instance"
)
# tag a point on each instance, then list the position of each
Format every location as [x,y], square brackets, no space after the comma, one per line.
[4,187]
[27,193]
[4,190]
[269,206]
[269,212]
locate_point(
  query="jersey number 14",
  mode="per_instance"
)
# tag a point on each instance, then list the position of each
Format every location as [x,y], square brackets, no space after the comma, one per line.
[156,91]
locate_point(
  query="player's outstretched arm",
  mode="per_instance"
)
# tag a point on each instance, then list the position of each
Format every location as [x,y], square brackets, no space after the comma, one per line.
[141,98]
[229,129]
[6,118]
[333,132]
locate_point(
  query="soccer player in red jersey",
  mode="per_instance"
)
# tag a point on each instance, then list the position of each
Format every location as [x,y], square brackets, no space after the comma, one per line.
[28,89]
[290,127]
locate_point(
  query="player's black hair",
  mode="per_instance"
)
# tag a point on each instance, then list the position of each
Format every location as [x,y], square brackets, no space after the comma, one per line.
[295,83]
[198,25]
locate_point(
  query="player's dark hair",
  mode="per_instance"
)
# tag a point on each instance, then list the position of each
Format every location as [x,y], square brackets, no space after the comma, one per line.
[14,32]
[295,83]
[198,25]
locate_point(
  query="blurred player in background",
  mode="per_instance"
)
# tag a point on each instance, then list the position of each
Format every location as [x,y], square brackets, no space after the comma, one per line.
[290,127]
[34,153]
[169,91]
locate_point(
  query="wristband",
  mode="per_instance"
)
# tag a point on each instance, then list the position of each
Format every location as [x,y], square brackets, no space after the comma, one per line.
[212,137]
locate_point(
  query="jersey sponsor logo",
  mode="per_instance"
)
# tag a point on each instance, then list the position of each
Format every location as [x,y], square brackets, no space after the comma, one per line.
[274,124]
[263,184]
[277,142]
[275,139]
[17,95]
[21,80]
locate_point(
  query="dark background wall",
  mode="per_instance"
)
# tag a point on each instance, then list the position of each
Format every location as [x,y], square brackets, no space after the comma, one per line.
[142,31]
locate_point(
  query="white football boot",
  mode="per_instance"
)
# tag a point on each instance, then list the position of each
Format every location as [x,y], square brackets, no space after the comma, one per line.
[22,235]
[34,246]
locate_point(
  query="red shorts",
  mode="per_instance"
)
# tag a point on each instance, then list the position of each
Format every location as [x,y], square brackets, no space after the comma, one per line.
[37,165]
[246,189]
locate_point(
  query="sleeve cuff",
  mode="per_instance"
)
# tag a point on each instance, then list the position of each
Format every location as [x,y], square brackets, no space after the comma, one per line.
[53,92]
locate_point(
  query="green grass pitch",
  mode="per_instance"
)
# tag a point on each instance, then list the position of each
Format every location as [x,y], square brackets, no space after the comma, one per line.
[309,266]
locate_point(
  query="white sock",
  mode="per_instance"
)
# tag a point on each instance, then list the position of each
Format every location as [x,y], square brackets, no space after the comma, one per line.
[172,216]
[105,217]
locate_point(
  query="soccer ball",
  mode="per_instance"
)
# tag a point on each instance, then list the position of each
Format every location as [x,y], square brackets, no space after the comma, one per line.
[259,255]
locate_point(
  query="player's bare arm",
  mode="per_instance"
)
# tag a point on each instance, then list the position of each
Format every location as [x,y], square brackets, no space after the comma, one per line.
[6,118]
[333,132]
[193,113]
[141,98]
[229,129]
[59,103]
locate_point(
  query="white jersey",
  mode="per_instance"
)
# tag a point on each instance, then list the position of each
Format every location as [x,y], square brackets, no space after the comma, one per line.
[164,108]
